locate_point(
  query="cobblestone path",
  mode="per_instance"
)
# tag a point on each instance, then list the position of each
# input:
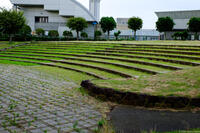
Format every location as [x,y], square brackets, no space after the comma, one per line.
[35,102]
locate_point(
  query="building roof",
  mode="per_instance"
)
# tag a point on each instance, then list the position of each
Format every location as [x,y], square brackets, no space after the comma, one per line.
[185,14]
[64,7]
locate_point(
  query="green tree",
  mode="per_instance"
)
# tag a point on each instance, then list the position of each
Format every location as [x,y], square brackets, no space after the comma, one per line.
[165,24]
[97,34]
[194,26]
[11,22]
[84,35]
[108,24]
[78,24]
[67,34]
[116,34]
[53,33]
[135,23]
[25,31]
[40,32]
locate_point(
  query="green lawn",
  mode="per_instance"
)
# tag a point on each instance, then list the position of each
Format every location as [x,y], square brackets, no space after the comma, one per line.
[83,57]
[179,83]
[4,44]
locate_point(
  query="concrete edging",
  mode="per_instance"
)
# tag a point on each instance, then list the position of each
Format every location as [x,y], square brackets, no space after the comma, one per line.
[137,99]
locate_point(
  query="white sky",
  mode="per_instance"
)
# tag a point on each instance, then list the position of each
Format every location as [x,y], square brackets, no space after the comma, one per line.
[141,8]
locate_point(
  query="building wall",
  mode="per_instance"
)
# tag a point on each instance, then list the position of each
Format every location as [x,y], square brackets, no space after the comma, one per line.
[54,18]
[181,18]
[64,7]
[94,8]
[55,21]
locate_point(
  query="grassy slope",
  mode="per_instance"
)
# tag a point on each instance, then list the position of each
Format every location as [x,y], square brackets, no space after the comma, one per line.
[145,42]
[4,44]
[180,83]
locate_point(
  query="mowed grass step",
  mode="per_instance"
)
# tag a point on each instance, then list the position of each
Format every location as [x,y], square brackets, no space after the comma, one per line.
[19,61]
[61,49]
[154,54]
[83,64]
[157,47]
[186,60]
[103,58]
[76,44]
[138,67]
[69,75]
[161,45]
[3,57]
[7,61]
[154,51]
[162,62]
[126,72]
[156,58]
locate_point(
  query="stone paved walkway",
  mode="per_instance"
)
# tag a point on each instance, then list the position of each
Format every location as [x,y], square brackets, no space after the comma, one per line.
[35,102]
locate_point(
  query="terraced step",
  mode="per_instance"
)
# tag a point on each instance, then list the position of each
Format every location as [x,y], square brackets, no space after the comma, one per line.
[101,57]
[58,66]
[104,62]
[164,45]
[147,53]
[101,45]
[171,48]
[59,49]
[157,51]
[72,63]
[114,53]
[150,58]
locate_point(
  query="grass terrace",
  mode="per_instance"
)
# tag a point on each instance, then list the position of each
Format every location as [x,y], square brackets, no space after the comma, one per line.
[7,44]
[142,67]
[158,68]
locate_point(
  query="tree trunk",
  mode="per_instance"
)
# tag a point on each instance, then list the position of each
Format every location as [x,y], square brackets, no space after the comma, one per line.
[135,34]
[77,35]
[108,35]
[10,39]
[196,36]
[165,36]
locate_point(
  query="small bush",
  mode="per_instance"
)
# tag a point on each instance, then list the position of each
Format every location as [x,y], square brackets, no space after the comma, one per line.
[97,34]
[53,33]
[67,34]
[180,35]
[39,32]
[84,35]
[116,34]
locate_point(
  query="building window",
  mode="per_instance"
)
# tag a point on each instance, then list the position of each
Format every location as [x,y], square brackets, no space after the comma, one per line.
[41,19]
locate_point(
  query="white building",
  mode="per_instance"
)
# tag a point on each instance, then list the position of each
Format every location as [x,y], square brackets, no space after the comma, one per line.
[126,33]
[53,14]
[181,19]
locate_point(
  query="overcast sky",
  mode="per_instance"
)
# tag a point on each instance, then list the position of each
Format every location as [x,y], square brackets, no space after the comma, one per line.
[141,8]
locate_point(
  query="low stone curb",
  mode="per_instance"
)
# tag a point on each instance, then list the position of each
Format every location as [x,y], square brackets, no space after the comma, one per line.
[137,99]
